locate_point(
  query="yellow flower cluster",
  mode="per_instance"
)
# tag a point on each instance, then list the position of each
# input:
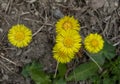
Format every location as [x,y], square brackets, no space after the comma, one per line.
[20,36]
[67,39]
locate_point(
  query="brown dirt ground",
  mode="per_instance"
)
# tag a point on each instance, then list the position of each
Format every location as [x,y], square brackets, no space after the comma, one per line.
[102,16]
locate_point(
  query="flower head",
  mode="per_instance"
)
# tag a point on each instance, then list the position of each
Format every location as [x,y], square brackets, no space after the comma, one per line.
[61,56]
[94,43]
[67,23]
[68,41]
[19,35]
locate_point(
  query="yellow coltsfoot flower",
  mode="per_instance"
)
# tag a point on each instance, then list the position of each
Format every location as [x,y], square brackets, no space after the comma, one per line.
[61,56]
[20,36]
[67,23]
[94,43]
[68,42]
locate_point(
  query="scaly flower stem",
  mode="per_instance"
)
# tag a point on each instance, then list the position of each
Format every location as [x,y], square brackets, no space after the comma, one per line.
[56,70]
[94,61]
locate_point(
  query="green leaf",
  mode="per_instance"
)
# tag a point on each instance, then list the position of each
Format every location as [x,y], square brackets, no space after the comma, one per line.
[108,81]
[83,71]
[61,70]
[35,72]
[25,71]
[108,50]
[60,81]
[95,79]
[99,58]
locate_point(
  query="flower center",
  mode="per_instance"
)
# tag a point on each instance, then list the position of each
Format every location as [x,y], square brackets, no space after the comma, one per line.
[94,43]
[19,36]
[67,25]
[61,53]
[68,42]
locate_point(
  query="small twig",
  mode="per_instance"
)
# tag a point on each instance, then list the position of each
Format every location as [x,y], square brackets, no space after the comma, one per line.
[56,70]
[47,24]
[8,60]
[6,21]
[6,9]
[67,72]
[83,27]
[3,47]
[5,66]
[24,13]
[38,31]
[28,19]
[106,28]
[116,43]
[4,35]
[114,38]
[63,6]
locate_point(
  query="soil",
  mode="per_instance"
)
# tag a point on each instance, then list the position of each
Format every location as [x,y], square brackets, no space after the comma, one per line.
[102,16]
